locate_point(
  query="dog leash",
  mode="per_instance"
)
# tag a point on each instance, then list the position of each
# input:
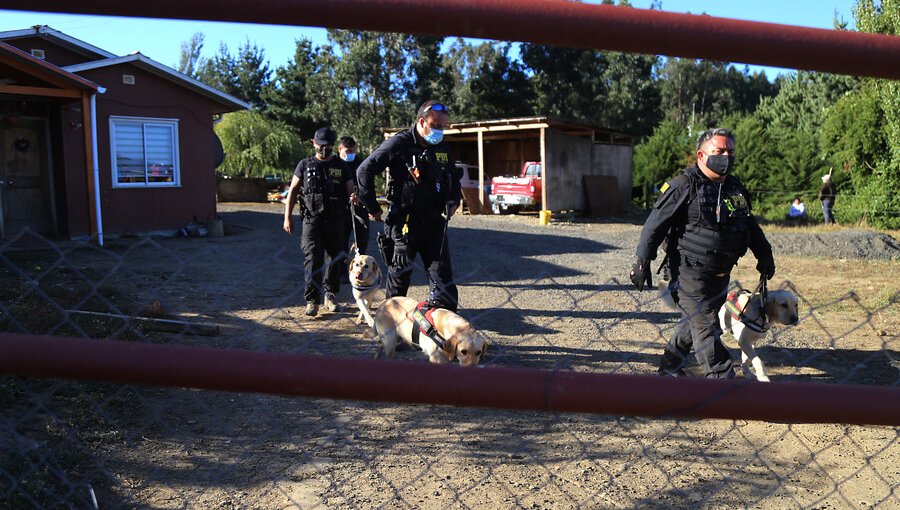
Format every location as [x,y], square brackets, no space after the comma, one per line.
[353,218]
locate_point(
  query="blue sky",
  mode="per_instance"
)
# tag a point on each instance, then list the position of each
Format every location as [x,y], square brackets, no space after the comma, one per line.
[161,39]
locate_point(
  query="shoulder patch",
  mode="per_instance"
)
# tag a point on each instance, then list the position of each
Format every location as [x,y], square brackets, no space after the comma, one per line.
[664,187]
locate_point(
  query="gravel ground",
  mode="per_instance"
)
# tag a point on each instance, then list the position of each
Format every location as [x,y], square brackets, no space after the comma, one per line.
[841,244]
[551,297]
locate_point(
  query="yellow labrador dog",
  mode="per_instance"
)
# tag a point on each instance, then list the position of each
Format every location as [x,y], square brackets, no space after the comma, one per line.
[365,280]
[394,322]
[740,316]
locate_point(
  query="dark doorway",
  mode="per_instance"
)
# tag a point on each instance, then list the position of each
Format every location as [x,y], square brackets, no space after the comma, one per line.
[25,183]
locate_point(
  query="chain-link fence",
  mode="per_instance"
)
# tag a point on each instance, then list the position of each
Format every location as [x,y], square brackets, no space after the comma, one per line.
[553,298]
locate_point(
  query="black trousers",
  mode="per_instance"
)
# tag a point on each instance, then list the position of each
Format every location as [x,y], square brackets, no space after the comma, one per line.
[361,217]
[426,239]
[700,293]
[323,234]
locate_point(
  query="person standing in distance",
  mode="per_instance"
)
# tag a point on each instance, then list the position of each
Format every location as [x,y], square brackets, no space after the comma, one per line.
[826,195]
[324,184]
[423,192]
[704,215]
[358,213]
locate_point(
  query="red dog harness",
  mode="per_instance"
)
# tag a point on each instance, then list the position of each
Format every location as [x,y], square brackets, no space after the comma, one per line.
[737,313]
[423,317]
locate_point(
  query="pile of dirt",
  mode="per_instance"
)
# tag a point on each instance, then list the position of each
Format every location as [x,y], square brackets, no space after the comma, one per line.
[841,244]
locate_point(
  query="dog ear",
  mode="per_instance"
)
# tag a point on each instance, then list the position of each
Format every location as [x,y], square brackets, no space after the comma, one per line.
[484,347]
[449,347]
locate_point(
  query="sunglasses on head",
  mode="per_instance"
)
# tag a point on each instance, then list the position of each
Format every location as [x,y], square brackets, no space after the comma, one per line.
[437,107]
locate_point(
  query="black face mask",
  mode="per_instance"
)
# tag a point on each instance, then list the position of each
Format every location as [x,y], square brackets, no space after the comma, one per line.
[721,164]
[324,152]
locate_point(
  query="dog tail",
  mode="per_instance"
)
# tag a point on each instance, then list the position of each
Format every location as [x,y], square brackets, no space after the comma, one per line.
[665,294]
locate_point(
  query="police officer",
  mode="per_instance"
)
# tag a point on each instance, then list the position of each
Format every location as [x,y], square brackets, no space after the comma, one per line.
[423,192]
[357,214]
[704,216]
[325,186]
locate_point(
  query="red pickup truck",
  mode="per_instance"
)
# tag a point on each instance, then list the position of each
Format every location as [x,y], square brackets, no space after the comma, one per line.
[513,194]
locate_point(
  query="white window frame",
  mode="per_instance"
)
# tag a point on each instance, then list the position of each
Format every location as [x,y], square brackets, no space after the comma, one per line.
[143,122]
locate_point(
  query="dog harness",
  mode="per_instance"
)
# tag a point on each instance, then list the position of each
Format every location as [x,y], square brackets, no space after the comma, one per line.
[423,319]
[758,324]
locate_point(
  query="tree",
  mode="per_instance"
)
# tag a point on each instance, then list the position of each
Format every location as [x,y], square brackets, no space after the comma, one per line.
[361,83]
[567,82]
[757,158]
[696,92]
[802,100]
[190,62]
[633,96]
[256,146]
[486,82]
[663,154]
[431,80]
[287,95]
[244,76]
[878,188]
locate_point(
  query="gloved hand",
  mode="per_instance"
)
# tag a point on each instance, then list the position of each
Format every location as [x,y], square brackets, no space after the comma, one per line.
[401,256]
[640,274]
[766,267]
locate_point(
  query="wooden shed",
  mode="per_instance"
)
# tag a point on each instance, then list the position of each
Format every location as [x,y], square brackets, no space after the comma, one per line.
[585,168]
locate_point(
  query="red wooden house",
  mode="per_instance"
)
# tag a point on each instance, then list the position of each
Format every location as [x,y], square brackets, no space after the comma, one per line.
[95,144]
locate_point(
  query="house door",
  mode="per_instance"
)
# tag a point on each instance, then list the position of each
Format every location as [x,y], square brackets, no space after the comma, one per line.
[25,184]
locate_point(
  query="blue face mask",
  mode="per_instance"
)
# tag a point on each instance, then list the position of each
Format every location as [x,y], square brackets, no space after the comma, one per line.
[349,157]
[435,136]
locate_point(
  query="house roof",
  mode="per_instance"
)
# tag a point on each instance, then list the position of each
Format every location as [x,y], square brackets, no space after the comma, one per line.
[163,71]
[66,41]
[34,68]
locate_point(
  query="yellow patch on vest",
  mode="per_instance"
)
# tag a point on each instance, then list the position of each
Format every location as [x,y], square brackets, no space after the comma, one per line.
[441,157]
[335,172]
[739,201]
[664,187]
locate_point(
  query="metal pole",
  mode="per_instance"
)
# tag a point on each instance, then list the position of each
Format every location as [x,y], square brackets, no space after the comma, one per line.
[556,22]
[423,383]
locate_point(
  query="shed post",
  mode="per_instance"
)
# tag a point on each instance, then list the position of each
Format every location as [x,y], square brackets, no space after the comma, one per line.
[481,172]
[545,175]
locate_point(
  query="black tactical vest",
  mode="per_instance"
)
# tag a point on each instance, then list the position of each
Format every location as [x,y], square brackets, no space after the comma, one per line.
[430,194]
[717,228]
[324,190]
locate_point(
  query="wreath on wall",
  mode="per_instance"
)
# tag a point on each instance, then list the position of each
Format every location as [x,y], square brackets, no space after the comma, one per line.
[21,144]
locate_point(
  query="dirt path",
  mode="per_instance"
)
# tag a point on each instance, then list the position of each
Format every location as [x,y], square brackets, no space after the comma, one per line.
[547,297]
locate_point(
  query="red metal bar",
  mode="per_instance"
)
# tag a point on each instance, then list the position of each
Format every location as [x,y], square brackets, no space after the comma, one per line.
[422,383]
[556,22]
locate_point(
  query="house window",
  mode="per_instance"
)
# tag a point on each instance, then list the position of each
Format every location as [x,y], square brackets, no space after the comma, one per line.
[144,152]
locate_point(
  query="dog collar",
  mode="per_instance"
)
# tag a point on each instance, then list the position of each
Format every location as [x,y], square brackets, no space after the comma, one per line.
[366,288]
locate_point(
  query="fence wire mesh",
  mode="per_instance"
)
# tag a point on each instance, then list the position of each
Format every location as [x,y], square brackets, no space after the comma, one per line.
[546,297]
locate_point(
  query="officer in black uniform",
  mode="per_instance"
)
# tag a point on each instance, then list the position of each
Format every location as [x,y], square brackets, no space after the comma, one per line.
[357,214]
[423,192]
[325,186]
[704,216]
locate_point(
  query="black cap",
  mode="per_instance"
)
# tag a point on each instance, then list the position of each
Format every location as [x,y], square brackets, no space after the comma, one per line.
[325,136]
